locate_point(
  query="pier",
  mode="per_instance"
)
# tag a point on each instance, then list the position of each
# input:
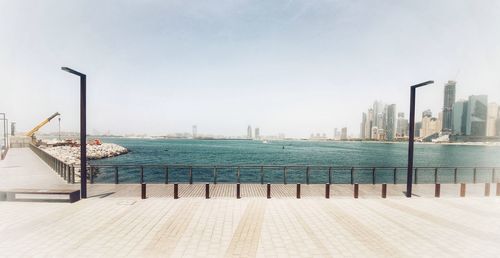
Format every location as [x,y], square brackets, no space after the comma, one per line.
[115,221]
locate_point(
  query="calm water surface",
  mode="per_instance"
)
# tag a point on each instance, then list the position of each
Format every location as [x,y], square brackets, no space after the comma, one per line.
[337,154]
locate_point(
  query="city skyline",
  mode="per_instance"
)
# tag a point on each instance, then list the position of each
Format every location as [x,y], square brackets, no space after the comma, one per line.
[292,68]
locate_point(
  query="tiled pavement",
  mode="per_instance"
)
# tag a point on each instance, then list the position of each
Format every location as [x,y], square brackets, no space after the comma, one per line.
[114,222]
[252,227]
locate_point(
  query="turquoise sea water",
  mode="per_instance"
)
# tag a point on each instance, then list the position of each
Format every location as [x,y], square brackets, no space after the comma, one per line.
[336,154]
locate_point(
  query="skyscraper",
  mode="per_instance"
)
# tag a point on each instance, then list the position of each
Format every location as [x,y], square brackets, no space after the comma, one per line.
[343,135]
[195,131]
[369,124]
[363,126]
[249,132]
[449,100]
[257,133]
[459,117]
[390,132]
[492,119]
[477,114]
[427,113]
[402,129]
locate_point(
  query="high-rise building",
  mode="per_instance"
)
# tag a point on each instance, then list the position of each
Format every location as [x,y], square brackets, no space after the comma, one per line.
[195,131]
[459,117]
[343,135]
[249,132]
[477,114]
[418,127]
[257,133]
[498,123]
[492,119]
[427,113]
[369,124]
[430,126]
[449,100]
[363,126]
[390,130]
[402,129]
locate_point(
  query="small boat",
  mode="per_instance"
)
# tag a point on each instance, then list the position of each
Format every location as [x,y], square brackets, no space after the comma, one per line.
[264,141]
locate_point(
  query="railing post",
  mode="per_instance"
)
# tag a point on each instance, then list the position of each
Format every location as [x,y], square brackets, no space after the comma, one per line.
[455,175]
[72,174]
[394,177]
[373,176]
[176,191]
[190,175]
[307,175]
[330,175]
[475,176]
[238,175]
[298,191]
[435,175]
[215,175]
[238,191]
[493,175]
[117,179]
[352,175]
[384,191]
[91,174]
[356,190]
[284,175]
[142,174]
[261,175]
[207,191]
[462,190]
[498,189]
[327,191]
[416,176]
[166,175]
[143,191]
[487,189]
[437,190]
[268,191]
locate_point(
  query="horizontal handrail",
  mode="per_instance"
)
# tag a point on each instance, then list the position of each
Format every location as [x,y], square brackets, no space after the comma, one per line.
[283,166]
[65,170]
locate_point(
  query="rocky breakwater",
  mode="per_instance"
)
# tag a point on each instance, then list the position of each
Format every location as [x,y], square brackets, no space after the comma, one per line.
[71,154]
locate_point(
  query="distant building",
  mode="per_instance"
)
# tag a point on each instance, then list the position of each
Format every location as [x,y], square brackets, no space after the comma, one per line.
[477,114]
[391,122]
[418,126]
[195,131]
[362,133]
[402,125]
[427,113]
[459,117]
[449,100]
[369,124]
[492,119]
[430,126]
[343,135]
[257,133]
[249,132]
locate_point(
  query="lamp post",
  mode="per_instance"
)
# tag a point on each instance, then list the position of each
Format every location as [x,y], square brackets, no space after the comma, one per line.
[409,181]
[83,130]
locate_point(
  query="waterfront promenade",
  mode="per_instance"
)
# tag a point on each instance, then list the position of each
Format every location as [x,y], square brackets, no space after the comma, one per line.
[116,222]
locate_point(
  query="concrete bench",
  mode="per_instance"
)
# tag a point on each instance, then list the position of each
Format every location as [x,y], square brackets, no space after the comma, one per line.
[10,194]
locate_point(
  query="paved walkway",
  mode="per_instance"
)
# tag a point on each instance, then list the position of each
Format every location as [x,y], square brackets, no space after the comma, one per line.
[114,222]
[253,227]
[23,169]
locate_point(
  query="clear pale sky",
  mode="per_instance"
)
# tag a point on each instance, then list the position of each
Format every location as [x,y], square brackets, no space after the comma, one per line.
[293,67]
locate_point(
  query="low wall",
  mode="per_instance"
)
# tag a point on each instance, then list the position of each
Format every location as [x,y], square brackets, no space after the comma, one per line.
[20,141]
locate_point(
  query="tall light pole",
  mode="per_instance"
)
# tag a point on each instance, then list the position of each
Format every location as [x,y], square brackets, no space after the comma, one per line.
[83,130]
[409,180]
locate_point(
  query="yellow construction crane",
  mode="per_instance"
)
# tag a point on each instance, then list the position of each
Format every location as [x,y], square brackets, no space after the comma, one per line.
[40,125]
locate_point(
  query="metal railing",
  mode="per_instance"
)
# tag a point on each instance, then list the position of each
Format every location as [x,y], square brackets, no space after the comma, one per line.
[177,173]
[66,171]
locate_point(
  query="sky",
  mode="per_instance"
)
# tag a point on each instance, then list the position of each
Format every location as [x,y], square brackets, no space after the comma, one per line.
[292,67]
